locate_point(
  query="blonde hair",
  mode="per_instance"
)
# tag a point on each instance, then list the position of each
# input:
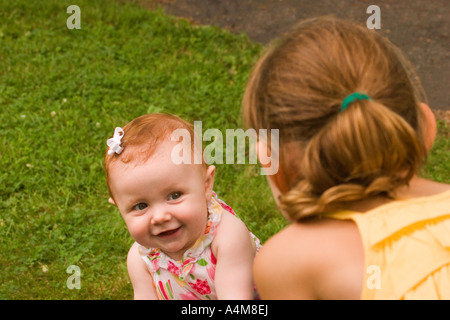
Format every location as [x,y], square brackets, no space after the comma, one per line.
[369,149]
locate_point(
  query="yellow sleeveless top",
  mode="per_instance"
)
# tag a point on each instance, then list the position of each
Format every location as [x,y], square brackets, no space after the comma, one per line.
[407,248]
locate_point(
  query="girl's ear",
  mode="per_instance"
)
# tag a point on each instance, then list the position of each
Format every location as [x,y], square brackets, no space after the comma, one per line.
[209,181]
[110,200]
[277,181]
[430,121]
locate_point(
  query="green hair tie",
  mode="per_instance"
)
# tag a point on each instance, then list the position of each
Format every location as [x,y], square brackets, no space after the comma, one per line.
[352,97]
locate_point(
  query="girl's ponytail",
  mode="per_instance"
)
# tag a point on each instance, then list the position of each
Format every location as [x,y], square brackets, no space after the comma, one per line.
[370,148]
[367,150]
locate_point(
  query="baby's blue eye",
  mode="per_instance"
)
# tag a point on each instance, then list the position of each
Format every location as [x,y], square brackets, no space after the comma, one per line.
[174,196]
[140,206]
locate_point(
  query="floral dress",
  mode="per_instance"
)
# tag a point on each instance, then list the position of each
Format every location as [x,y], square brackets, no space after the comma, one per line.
[191,278]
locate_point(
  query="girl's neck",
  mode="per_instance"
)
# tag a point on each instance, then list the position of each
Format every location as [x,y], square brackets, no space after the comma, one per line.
[418,187]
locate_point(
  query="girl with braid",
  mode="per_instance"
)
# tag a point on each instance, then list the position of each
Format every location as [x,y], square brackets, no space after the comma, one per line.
[354,131]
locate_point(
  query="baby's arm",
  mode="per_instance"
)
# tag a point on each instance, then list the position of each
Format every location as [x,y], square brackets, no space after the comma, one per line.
[235,251]
[140,276]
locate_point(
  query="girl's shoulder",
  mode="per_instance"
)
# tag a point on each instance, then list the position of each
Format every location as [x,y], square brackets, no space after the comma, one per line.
[311,260]
[311,235]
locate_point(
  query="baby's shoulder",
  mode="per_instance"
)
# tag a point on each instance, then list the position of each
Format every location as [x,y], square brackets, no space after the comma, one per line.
[230,223]
[231,231]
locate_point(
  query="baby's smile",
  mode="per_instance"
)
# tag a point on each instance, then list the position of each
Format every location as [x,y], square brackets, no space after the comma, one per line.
[171,233]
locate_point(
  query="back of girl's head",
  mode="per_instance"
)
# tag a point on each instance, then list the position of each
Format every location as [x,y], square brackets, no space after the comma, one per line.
[143,135]
[370,148]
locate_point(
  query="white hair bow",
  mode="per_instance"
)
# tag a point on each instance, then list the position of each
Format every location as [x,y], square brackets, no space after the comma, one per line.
[115,143]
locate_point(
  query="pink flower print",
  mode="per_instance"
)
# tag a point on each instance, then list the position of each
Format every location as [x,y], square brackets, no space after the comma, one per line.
[154,257]
[200,286]
[227,207]
[188,296]
[211,272]
[155,265]
[187,261]
[213,258]
[173,268]
[187,268]
[192,269]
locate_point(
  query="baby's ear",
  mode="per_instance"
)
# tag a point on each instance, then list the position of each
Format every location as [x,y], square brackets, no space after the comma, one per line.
[209,181]
[110,200]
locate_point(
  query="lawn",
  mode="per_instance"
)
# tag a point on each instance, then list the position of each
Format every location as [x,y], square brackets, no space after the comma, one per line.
[62,92]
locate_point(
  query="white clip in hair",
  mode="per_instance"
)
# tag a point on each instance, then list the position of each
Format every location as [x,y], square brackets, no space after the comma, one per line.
[115,143]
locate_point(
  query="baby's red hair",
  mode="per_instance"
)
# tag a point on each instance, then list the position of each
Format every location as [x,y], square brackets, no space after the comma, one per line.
[143,135]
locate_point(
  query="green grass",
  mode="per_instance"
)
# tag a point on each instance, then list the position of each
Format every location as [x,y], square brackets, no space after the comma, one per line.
[63,91]
[438,161]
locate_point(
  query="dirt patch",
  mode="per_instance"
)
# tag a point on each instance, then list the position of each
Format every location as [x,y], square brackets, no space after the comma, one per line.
[420,27]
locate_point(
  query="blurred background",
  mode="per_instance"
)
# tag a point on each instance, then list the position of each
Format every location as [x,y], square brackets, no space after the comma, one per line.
[63,91]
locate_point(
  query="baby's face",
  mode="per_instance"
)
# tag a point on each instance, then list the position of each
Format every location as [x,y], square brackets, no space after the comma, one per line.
[163,204]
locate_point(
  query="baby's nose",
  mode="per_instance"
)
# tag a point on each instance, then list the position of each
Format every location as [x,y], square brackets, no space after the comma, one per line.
[160,215]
